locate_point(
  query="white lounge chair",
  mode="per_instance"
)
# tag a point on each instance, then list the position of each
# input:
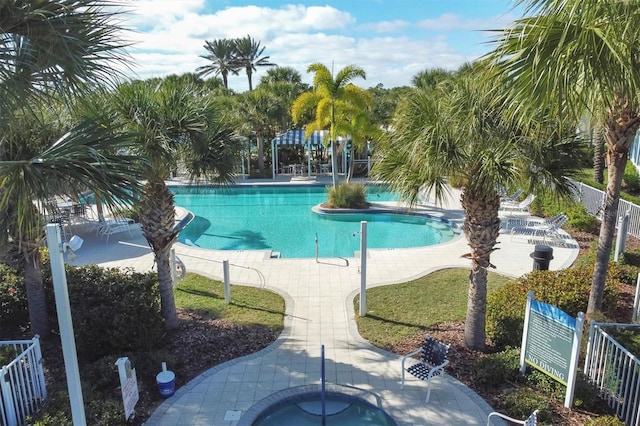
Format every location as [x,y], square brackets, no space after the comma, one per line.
[532,420]
[513,198]
[522,206]
[541,231]
[534,223]
[433,359]
[115,226]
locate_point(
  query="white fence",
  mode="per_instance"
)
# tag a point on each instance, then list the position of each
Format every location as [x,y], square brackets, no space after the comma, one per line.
[614,371]
[22,387]
[593,200]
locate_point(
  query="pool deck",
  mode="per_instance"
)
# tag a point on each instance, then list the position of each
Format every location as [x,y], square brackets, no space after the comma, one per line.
[319,311]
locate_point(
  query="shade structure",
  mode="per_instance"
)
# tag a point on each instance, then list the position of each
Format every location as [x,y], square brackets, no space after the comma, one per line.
[297,137]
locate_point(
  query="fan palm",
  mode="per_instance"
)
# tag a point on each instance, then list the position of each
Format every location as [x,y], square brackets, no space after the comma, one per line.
[456,132]
[51,50]
[335,101]
[221,55]
[174,124]
[582,53]
[39,162]
[248,55]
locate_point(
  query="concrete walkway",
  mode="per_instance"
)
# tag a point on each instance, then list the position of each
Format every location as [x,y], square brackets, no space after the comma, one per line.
[319,311]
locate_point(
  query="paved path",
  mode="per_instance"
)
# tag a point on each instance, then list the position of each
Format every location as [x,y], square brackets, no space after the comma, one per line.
[319,311]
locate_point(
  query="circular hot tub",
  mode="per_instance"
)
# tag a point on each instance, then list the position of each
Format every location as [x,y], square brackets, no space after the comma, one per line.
[302,405]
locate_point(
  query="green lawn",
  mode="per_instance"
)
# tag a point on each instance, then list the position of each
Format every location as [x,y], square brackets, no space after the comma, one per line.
[402,310]
[249,305]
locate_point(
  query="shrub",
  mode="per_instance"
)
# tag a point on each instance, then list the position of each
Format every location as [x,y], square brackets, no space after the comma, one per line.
[113,311]
[567,289]
[14,314]
[495,370]
[579,219]
[521,402]
[631,178]
[348,195]
[605,421]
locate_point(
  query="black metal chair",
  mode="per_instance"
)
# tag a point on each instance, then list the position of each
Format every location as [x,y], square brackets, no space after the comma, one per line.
[433,359]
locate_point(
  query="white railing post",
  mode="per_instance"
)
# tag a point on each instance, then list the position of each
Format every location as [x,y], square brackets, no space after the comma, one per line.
[363,268]
[575,355]
[590,344]
[39,367]
[636,302]
[227,286]
[7,398]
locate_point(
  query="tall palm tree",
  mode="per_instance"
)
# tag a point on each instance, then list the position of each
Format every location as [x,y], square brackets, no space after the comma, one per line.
[53,50]
[222,55]
[248,55]
[174,123]
[455,132]
[582,53]
[285,85]
[334,101]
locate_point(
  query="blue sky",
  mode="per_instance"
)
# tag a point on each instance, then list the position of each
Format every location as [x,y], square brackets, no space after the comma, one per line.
[392,40]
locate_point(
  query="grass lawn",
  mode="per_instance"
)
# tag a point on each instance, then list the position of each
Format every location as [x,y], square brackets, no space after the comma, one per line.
[249,305]
[402,310]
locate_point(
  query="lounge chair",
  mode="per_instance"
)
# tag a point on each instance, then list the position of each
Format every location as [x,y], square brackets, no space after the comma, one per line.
[522,206]
[541,231]
[513,198]
[115,226]
[534,223]
[532,420]
[433,359]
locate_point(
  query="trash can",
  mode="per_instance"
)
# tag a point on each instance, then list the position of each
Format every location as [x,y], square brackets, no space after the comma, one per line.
[166,381]
[541,256]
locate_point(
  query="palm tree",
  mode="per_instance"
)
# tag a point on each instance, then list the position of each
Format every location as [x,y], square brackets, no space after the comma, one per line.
[52,50]
[38,161]
[248,55]
[222,55]
[455,133]
[257,114]
[582,53]
[174,123]
[334,101]
[285,85]
[430,77]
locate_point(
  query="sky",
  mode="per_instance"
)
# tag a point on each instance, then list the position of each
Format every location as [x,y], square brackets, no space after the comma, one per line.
[391,40]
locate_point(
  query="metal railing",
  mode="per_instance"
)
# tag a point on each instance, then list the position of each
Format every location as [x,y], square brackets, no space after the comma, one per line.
[22,386]
[593,199]
[614,371]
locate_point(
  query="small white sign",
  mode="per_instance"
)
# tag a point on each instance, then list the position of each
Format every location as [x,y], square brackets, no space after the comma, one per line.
[128,385]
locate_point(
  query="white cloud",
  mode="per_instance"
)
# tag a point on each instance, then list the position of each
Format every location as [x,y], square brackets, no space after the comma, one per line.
[453,22]
[171,35]
[385,26]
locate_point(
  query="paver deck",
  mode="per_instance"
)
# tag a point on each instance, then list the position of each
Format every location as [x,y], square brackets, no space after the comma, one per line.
[319,311]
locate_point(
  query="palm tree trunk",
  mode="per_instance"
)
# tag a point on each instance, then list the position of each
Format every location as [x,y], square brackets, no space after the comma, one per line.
[618,133]
[334,165]
[157,217]
[598,155]
[36,300]
[481,227]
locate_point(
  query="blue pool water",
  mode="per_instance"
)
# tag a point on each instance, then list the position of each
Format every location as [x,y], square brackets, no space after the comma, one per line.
[280,219]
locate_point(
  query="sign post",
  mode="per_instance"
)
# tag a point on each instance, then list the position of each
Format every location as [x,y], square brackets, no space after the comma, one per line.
[551,343]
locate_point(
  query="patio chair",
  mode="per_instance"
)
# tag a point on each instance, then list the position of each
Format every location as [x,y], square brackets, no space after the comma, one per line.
[532,420]
[433,359]
[522,206]
[115,226]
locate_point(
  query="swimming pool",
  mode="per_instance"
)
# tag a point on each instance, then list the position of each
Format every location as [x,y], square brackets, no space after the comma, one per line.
[280,219]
